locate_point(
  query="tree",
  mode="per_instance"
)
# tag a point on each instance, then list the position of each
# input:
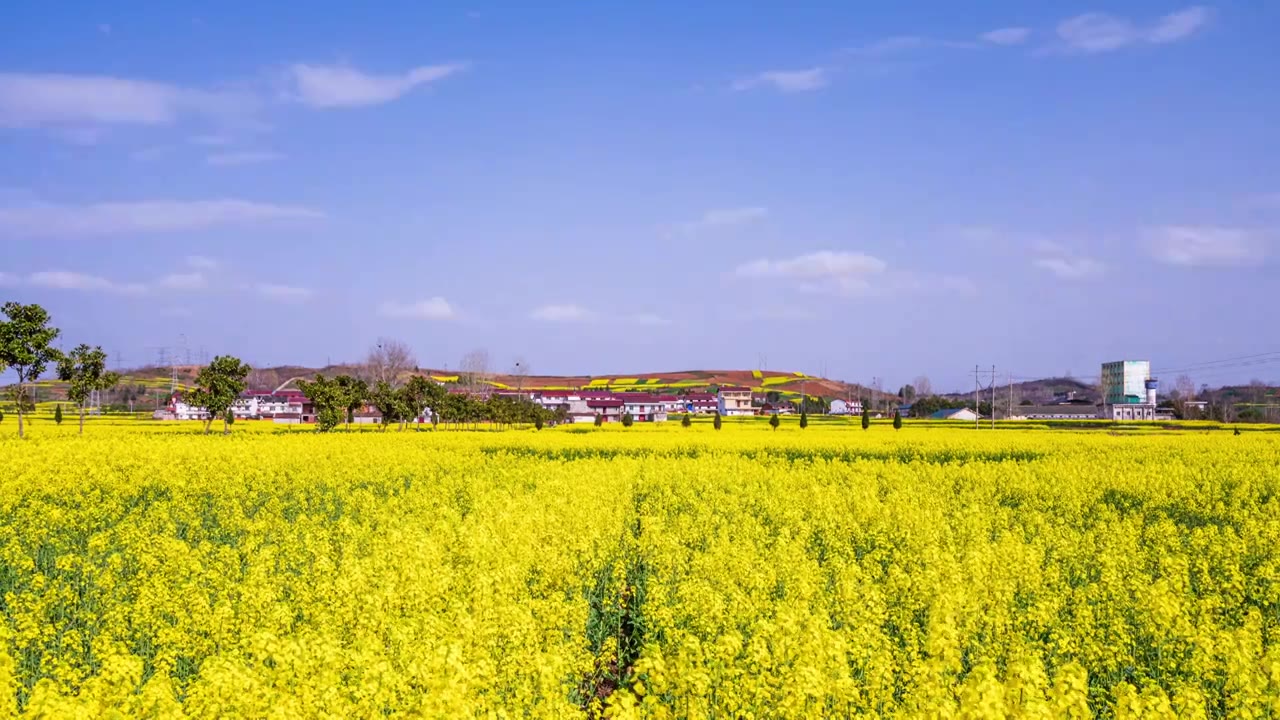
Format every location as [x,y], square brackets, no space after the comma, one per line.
[421,394]
[389,402]
[57,416]
[897,420]
[908,392]
[355,393]
[866,417]
[387,360]
[717,422]
[85,368]
[218,384]
[627,419]
[687,420]
[922,386]
[774,421]
[804,419]
[537,422]
[26,346]
[599,420]
[473,370]
[1,416]
[328,397]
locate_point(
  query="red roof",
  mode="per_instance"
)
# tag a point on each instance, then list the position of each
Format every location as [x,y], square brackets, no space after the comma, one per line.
[734,388]
[696,397]
[604,403]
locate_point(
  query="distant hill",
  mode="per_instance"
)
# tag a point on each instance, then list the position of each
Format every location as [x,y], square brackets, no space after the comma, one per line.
[1038,392]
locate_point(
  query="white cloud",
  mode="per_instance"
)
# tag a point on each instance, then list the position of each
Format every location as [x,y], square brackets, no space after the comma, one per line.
[201,262]
[330,86]
[1097,32]
[1070,268]
[726,217]
[45,220]
[183,281]
[788,81]
[1100,32]
[1176,26]
[29,100]
[648,319]
[824,264]
[1006,36]
[1064,263]
[7,279]
[561,313]
[242,158]
[283,293]
[1205,246]
[436,308]
[64,280]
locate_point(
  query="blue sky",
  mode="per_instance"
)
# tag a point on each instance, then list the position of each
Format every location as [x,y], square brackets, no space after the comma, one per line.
[873,192]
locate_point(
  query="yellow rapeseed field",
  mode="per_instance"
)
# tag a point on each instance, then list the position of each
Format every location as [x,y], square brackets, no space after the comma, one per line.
[663,572]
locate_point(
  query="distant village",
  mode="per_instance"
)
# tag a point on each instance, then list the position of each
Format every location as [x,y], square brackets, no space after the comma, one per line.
[1129,394]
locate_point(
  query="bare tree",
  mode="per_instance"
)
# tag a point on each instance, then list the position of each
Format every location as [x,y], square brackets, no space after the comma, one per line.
[923,387]
[520,372]
[1184,390]
[473,369]
[387,361]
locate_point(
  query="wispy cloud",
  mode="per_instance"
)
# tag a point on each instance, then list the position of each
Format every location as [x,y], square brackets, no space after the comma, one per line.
[888,46]
[1205,246]
[1006,36]
[242,158]
[103,219]
[725,218]
[1066,264]
[824,264]
[29,100]
[843,273]
[334,86]
[65,280]
[1099,32]
[561,313]
[1176,26]
[183,281]
[8,280]
[787,81]
[436,308]
[200,262]
[647,319]
[283,293]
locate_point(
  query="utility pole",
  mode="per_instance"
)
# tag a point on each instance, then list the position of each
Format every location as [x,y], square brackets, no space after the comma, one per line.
[977,420]
[993,397]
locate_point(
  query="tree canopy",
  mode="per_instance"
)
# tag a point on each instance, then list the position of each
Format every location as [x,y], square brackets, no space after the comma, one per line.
[218,385]
[26,346]
[85,371]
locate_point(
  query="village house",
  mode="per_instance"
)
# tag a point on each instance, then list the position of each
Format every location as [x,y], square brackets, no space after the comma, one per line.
[735,401]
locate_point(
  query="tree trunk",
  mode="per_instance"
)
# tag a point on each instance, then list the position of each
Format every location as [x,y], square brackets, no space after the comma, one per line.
[82,419]
[208,425]
[20,399]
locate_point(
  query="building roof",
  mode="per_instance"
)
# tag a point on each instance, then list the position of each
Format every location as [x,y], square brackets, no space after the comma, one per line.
[604,403]
[948,413]
[734,388]
[1078,410]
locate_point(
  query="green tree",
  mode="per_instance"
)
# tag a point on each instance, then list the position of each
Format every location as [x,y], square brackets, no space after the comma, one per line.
[1,416]
[897,420]
[687,420]
[627,419]
[355,394]
[866,417]
[717,422]
[389,402]
[85,368]
[26,346]
[537,422]
[329,399]
[57,414]
[421,394]
[804,420]
[908,392]
[599,420]
[218,384]
[774,421]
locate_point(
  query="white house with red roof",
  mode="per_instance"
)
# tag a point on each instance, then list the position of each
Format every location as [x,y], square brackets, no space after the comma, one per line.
[735,401]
